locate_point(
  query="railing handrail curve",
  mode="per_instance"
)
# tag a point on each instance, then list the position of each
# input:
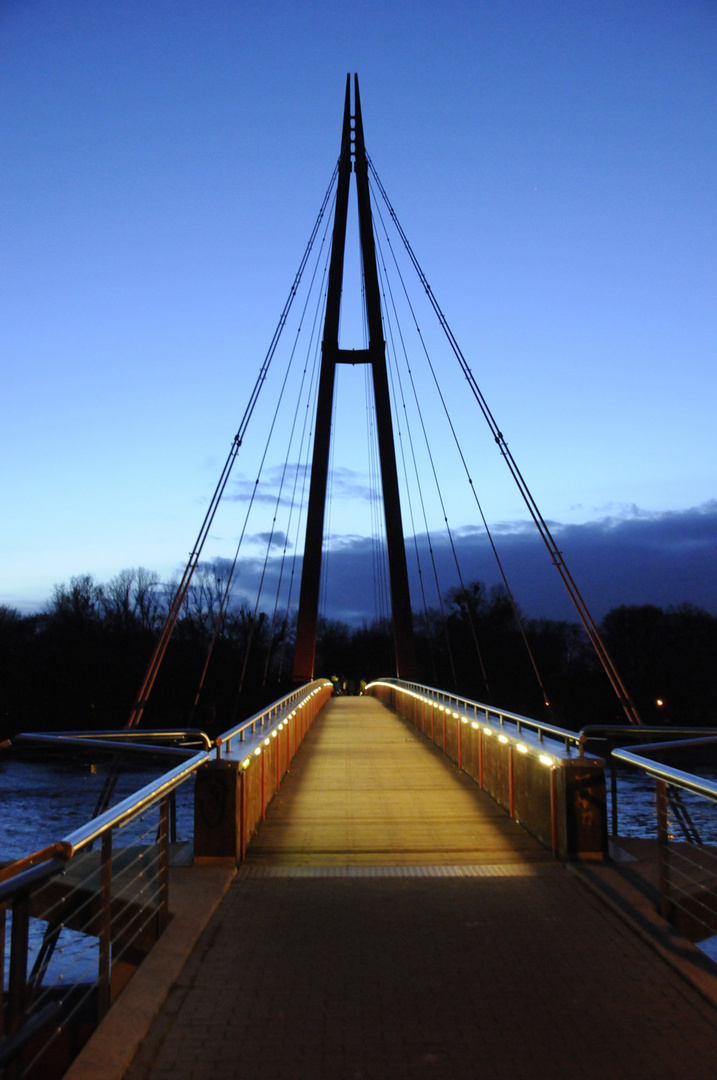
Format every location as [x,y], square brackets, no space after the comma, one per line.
[678,777]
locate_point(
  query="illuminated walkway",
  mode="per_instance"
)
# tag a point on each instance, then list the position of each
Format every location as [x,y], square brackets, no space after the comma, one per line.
[391,922]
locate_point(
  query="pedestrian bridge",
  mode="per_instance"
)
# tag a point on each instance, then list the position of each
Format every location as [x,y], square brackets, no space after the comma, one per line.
[385,917]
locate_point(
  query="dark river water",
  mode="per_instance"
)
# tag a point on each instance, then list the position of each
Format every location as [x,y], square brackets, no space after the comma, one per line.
[43,800]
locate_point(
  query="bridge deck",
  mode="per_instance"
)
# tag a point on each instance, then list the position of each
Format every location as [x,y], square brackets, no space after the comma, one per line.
[367,792]
[331,958]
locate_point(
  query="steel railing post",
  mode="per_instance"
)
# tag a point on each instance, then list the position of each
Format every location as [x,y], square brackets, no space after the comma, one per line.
[17,985]
[104,981]
[663,847]
[163,875]
[613,794]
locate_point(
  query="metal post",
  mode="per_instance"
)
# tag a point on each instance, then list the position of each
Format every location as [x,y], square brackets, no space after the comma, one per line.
[17,985]
[263,784]
[613,794]
[173,813]
[554,811]
[663,847]
[163,877]
[104,981]
[242,814]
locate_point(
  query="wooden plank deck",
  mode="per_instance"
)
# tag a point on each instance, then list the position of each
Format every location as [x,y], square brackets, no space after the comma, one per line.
[368,789]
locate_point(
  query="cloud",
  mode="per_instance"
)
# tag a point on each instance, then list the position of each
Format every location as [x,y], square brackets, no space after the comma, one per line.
[264,489]
[629,556]
[345,484]
[276,539]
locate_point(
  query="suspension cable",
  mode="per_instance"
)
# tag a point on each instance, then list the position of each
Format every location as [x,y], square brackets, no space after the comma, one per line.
[540,523]
[449,531]
[509,592]
[183,587]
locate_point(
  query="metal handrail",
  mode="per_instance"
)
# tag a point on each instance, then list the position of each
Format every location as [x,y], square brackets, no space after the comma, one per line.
[613,732]
[108,746]
[277,709]
[135,803]
[569,738]
[119,735]
[660,771]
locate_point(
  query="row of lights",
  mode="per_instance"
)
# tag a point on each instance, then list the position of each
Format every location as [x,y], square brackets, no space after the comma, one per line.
[544,759]
[280,727]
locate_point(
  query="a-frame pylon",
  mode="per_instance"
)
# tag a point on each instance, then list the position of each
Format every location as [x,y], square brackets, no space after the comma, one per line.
[353,155]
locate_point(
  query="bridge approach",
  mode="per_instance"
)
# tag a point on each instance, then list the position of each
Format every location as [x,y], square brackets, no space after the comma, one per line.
[390,920]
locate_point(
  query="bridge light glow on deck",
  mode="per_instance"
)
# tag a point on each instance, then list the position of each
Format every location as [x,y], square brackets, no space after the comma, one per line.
[523,749]
[487,731]
[245,763]
[273,734]
[502,738]
[258,751]
[266,742]
[545,760]
[475,724]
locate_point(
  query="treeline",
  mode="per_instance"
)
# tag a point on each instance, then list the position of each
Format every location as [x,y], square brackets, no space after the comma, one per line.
[78,664]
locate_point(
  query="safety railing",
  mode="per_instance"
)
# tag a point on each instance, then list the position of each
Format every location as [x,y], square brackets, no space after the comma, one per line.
[622,788]
[685,828]
[510,722]
[540,773]
[78,916]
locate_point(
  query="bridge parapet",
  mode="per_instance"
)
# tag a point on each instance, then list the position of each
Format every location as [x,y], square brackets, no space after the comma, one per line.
[538,772]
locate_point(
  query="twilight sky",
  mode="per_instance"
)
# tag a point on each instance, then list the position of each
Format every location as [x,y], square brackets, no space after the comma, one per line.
[555,168]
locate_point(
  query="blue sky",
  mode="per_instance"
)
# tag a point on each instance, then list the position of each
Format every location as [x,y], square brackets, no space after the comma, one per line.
[554,166]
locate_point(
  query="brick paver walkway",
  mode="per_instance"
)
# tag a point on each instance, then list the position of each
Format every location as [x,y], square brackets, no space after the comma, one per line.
[393,923]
